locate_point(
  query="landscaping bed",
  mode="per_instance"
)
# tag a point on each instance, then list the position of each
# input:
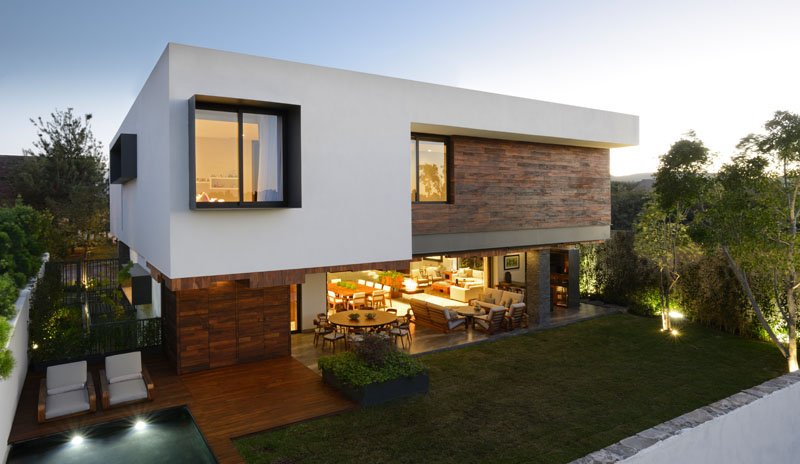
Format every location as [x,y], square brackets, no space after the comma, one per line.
[550,396]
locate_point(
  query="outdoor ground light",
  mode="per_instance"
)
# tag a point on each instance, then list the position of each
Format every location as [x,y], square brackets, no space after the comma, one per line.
[76,440]
[139,425]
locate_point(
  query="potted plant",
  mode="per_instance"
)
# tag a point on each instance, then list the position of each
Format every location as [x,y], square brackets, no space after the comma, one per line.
[376,372]
[393,279]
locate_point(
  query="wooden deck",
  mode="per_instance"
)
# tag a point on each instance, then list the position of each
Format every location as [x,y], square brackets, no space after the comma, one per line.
[226,403]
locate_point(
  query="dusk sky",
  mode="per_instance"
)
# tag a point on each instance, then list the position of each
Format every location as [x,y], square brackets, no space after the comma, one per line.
[718,67]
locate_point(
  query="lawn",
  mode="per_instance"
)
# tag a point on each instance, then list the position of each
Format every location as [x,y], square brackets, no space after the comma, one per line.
[550,396]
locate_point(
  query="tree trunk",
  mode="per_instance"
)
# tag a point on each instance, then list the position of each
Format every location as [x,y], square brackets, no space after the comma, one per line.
[792,324]
[666,324]
[742,278]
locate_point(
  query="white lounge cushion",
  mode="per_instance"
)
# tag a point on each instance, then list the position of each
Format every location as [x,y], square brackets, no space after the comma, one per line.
[66,377]
[66,403]
[124,367]
[127,390]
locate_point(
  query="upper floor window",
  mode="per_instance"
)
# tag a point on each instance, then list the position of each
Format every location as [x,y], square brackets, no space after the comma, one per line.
[243,153]
[429,169]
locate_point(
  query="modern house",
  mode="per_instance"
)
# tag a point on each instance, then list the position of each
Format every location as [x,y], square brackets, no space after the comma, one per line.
[242,184]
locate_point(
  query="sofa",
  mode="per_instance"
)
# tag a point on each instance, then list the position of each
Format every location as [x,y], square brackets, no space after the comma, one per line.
[465,294]
[493,298]
[436,316]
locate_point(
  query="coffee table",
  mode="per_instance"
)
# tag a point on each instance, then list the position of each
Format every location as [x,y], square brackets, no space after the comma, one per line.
[442,286]
[468,312]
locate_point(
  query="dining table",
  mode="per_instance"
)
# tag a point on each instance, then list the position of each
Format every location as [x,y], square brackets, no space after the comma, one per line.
[381,318]
[344,292]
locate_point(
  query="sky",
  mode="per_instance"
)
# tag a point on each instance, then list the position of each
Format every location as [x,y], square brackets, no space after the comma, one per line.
[720,68]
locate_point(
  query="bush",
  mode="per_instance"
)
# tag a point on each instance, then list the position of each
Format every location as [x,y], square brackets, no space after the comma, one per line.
[374,350]
[6,360]
[613,272]
[352,370]
[8,296]
[24,235]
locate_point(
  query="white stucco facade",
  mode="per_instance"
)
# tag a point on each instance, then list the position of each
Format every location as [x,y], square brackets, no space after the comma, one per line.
[355,169]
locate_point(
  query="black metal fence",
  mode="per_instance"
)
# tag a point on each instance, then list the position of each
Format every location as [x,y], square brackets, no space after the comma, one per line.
[109,320]
[117,336]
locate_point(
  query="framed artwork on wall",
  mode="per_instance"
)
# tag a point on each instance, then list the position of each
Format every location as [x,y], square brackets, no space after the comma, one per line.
[511,262]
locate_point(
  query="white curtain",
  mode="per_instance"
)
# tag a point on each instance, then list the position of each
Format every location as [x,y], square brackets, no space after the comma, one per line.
[270,164]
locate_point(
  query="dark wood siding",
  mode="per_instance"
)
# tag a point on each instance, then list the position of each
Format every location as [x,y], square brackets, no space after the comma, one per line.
[225,324]
[505,185]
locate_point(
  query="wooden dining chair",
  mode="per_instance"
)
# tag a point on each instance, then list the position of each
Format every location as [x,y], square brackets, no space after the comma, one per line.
[335,302]
[387,294]
[376,300]
[362,282]
[358,300]
[322,327]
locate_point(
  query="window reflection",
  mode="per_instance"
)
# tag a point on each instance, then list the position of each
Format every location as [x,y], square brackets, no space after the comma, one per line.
[216,156]
[429,171]
[262,158]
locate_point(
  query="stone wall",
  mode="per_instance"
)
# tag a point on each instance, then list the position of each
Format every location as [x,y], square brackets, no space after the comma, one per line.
[537,291]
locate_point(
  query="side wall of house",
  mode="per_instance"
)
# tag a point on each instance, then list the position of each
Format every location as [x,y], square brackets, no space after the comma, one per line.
[140,208]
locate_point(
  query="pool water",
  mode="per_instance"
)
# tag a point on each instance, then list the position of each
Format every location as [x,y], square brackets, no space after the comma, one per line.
[169,436]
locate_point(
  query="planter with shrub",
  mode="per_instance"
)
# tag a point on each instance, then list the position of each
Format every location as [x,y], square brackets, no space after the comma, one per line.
[375,372]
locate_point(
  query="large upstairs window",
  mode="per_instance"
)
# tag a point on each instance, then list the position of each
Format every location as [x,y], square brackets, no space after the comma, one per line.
[429,169]
[239,155]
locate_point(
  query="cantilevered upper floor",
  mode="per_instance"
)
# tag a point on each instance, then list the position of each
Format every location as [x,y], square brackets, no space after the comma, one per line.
[231,164]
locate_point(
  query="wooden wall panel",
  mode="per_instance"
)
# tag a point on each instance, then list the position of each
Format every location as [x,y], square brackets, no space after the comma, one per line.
[193,330]
[505,185]
[169,324]
[222,325]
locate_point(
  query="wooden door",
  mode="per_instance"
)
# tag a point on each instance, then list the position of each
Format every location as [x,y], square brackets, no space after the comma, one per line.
[193,330]
[222,324]
[250,326]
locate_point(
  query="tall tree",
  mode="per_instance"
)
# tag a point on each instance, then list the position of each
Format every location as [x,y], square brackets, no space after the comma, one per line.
[662,232]
[65,173]
[663,239]
[754,220]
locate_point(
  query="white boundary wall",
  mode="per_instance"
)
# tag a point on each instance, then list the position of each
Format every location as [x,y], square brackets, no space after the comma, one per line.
[765,430]
[756,425]
[11,387]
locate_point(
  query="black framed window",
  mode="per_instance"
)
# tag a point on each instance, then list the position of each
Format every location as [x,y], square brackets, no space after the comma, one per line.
[243,155]
[430,169]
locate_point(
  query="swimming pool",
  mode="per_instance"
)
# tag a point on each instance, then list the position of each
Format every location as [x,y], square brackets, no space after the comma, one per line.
[167,436]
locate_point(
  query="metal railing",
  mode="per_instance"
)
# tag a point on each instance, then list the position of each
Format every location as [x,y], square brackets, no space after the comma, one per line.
[112,337]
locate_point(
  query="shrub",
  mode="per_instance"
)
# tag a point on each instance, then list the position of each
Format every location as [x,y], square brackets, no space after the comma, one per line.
[374,350]
[352,370]
[8,296]
[6,360]
[24,235]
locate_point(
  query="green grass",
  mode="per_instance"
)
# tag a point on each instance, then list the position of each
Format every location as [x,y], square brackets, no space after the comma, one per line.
[551,396]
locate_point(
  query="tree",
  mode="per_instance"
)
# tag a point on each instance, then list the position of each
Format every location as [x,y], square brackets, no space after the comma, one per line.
[754,220]
[662,232]
[663,239]
[65,173]
[627,201]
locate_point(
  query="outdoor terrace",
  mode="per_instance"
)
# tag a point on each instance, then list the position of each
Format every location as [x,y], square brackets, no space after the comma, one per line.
[226,403]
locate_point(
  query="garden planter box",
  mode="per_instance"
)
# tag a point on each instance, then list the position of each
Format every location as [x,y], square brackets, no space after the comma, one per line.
[378,393]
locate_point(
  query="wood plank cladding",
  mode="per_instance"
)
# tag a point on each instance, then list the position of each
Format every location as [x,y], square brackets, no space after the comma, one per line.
[506,185]
[268,278]
[225,324]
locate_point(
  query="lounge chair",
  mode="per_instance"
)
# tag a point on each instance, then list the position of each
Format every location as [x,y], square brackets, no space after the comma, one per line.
[491,322]
[125,381]
[66,391]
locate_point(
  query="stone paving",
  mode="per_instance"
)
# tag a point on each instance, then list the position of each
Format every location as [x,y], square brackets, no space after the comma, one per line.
[632,445]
